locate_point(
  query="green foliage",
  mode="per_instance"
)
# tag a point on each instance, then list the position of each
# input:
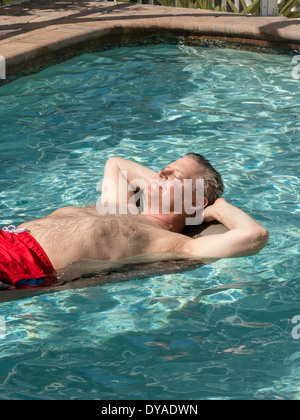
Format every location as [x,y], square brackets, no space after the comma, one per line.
[204,4]
[285,7]
[254,8]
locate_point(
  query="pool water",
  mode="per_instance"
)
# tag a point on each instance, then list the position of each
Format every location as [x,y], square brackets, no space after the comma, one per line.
[222,331]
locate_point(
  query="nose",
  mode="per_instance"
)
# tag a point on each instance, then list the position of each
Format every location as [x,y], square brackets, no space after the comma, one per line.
[164,173]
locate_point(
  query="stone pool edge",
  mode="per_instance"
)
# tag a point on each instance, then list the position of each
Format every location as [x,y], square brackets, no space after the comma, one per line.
[112,24]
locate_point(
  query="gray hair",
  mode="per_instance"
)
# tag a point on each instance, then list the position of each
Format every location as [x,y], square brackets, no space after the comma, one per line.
[213,183]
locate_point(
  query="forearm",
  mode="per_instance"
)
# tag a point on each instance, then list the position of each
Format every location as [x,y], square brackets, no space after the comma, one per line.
[122,178]
[245,235]
[135,172]
[232,217]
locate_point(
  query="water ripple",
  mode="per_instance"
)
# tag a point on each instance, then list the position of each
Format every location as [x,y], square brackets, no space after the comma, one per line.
[219,332]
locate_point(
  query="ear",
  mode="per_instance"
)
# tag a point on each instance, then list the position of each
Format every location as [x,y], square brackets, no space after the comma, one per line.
[197,207]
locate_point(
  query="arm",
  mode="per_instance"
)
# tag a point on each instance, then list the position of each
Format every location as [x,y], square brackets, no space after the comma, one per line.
[123,173]
[245,236]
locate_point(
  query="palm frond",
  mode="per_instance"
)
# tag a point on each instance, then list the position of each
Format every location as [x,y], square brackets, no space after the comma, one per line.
[232,6]
[254,7]
[288,6]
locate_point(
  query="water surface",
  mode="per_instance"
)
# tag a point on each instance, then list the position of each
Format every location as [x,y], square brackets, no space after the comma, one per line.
[222,331]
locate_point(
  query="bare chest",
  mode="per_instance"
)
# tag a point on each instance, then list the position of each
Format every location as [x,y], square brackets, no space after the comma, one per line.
[71,234]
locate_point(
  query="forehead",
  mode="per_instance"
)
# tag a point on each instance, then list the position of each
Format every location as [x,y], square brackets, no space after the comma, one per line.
[188,166]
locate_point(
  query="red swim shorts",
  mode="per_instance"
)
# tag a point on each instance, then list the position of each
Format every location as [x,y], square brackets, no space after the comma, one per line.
[22,260]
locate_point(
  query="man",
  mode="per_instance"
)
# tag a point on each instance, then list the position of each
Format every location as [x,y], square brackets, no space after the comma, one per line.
[41,248]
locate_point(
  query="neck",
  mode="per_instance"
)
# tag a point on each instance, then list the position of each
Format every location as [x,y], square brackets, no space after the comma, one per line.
[172,222]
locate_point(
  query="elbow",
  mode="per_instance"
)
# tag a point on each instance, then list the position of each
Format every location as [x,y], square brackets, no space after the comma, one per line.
[114,159]
[114,163]
[259,239]
[263,237]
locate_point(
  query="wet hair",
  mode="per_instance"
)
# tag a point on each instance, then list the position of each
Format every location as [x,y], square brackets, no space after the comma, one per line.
[213,183]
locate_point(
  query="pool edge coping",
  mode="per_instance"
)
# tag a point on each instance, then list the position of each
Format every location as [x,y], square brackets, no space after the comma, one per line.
[112,24]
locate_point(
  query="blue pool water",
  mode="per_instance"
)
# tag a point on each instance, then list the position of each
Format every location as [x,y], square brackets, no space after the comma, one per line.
[222,331]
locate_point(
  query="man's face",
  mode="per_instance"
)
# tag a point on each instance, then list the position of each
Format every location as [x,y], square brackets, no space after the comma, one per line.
[184,168]
[172,184]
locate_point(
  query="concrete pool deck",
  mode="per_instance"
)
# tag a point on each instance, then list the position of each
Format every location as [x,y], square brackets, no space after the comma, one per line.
[39,31]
